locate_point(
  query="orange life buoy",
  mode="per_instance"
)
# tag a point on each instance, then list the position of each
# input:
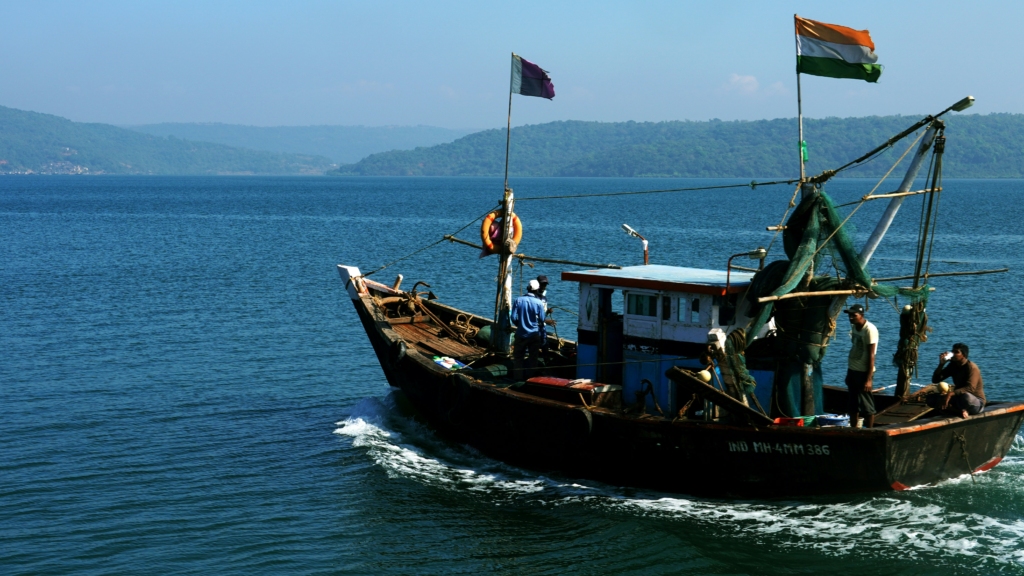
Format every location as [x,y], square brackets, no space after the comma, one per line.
[486,233]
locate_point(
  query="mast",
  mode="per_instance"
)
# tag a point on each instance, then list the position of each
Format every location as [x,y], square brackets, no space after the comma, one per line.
[538,84]
[501,334]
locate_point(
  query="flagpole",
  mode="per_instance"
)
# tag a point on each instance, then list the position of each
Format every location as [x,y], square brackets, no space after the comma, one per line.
[800,116]
[508,129]
[799,107]
[501,333]
[806,370]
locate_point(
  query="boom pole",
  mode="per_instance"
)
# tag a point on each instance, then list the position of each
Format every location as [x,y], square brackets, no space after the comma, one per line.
[894,205]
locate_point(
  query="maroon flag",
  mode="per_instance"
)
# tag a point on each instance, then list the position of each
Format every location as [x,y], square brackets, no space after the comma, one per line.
[529,79]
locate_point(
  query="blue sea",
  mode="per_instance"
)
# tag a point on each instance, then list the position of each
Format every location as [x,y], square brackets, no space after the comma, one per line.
[185,387]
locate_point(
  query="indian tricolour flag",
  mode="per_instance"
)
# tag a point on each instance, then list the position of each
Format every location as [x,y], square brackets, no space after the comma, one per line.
[835,51]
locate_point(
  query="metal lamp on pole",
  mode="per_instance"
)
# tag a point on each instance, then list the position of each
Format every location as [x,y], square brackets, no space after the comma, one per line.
[636,234]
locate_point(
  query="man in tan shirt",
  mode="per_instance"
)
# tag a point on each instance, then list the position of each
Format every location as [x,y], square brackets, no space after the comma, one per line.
[861,368]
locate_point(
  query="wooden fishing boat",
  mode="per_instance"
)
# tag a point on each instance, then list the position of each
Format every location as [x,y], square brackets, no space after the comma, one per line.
[629,403]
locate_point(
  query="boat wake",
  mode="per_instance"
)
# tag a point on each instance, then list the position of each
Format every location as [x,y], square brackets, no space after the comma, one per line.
[928,522]
[406,448]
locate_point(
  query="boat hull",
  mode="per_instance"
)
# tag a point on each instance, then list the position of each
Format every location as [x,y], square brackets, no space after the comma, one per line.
[685,456]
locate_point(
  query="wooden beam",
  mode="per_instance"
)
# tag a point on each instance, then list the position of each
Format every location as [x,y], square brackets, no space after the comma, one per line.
[860,292]
[898,194]
[926,276]
[536,258]
[745,414]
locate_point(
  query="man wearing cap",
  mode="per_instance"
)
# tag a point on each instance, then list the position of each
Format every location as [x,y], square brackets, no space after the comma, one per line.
[968,394]
[528,313]
[542,280]
[860,373]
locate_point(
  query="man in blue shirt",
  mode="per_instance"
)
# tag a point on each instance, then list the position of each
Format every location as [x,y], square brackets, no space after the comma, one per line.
[542,293]
[528,313]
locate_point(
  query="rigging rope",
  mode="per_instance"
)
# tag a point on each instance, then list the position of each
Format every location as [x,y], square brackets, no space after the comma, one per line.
[921,231]
[792,201]
[936,178]
[780,227]
[752,184]
[888,144]
[864,199]
[928,208]
[428,246]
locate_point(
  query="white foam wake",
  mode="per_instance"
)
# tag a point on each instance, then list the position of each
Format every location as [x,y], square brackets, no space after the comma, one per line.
[369,428]
[925,523]
[882,526]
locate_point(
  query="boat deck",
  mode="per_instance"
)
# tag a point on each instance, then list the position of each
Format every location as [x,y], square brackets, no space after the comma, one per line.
[424,334]
[907,412]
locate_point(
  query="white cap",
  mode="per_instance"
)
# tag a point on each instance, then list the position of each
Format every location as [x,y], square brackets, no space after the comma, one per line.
[533,285]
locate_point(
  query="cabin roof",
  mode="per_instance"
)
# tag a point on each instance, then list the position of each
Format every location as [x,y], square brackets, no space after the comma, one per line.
[664,278]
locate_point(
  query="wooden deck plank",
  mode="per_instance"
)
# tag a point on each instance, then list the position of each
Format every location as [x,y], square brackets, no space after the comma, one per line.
[427,336]
[902,413]
[449,347]
[414,332]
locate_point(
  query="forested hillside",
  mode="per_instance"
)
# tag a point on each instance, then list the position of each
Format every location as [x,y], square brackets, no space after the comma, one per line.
[979,146]
[31,142]
[342,144]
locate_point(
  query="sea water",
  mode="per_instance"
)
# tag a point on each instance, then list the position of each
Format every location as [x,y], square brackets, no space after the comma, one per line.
[185,386]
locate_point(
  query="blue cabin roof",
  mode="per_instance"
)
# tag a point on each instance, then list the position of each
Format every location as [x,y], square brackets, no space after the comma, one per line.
[664,278]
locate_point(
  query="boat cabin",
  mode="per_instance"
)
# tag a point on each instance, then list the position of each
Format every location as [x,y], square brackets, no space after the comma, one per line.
[637,322]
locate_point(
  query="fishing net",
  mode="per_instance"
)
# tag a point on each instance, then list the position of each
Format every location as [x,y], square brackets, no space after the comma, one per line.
[734,346]
[813,231]
[805,325]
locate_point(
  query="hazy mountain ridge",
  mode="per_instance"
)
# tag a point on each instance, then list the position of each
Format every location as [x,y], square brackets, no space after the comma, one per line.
[979,146]
[342,144]
[35,143]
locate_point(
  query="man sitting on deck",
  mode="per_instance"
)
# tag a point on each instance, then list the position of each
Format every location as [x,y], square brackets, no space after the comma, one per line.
[968,393]
[528,313]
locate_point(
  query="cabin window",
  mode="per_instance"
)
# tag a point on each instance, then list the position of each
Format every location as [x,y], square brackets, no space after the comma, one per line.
[726,309]
[666,308]
[689,310]
[642,305]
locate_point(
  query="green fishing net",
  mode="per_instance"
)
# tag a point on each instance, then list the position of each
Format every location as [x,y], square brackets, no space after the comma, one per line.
[816,230]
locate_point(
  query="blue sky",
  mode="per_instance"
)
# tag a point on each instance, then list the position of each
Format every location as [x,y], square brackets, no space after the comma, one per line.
[447,63]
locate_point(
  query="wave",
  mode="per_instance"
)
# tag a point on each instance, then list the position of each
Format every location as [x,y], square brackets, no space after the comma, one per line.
[928,522]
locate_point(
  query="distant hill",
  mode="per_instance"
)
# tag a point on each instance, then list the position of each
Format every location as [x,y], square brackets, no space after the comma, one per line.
[31,142]
[342,144]
[979,146]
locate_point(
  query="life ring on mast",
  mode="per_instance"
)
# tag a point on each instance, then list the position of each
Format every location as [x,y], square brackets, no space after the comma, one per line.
[490,233]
